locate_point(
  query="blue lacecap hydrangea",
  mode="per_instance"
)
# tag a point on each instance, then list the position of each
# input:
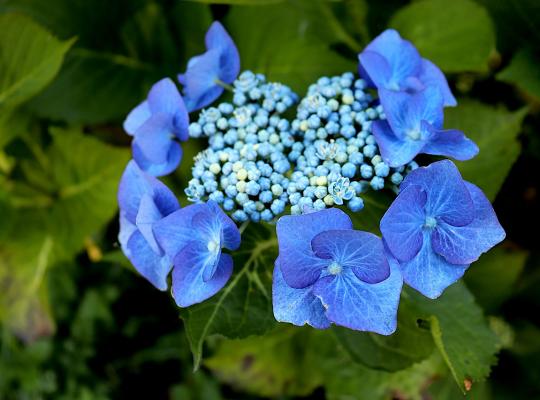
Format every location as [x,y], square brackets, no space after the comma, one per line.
[270,152]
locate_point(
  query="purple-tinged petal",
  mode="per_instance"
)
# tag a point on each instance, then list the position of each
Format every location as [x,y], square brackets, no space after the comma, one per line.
[431,75]
[175,231]
[146,217]
[296,306]
[401,225]
[374,68]
[152,266]
[217,37]
[394,150]
[127,228]
[231,234]
[358,305]
[188,285]
[137,117]
[174,155]
[164,98]
[360,251]
[447,195]
[449,143]
[299,265]
[428,272]
[465,244]
[154,138]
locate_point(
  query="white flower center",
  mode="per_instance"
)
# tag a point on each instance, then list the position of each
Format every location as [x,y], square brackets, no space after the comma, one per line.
[335,268]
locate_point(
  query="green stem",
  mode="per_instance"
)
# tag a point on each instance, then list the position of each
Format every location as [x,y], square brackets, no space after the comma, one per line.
[224,85]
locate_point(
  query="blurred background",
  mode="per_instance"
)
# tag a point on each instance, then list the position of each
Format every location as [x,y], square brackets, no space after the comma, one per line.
[76,322]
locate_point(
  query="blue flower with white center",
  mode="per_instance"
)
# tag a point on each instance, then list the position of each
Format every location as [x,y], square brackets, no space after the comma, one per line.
[414,125]
[326,272]
[143,200]
[193,237]
[392,63]
[157,125]
[208,73]
[341,190]
[437,226]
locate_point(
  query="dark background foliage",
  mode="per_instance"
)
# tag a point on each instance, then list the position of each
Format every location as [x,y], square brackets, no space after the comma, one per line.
[76,322]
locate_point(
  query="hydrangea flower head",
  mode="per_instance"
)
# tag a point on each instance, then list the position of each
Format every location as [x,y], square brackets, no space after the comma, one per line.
[392,63]
[437,226]
[207,73]
[143,201]
[414,125]
[157,124]
[193,237]
[327,272]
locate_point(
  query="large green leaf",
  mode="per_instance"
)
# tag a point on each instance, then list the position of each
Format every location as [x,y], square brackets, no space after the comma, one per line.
[281,43]
[494,129]
[456,35]
[30,57]
[408,345]
[244,306]
[94,87]
[523,73]
[460,333]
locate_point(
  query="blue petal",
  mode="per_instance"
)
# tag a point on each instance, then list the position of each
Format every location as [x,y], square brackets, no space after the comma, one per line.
[154,138]
[127,228]
[164,98]
[465,244]
[152,266]
[146,217]
[358,305]
[360,251]
[374,68]
[134,184]
[217,37]
[428,272]
[175,231]
[137,117]
[447,195]
[450,143]
[402,57]
[395,151]
[174,155]
[300,266]
[401,225]
[188,285]
[431,75]
[296,306]
[231,234]
[208,228]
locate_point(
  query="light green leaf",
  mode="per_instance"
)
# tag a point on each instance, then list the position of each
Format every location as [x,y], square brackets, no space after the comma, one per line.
[408,345]
[460,332]
[94,87]
[30,57]
[503,266]
[523,73]
[456,35]
[239,2]
[279,42]
[244,306]
[494,129]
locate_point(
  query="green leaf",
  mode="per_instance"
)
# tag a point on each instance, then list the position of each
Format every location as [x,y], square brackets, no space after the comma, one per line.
[279,42]
[277,364]
[460,333]
[239,2]
[456,35]
[523,73]
[503,266]
[30,57]
[408,345]
[93,88]
[244,306]
[494,129]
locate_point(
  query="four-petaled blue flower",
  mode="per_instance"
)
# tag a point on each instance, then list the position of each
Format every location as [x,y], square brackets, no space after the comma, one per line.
[157,124]
[437,226]
[341,190]
[326,272]
[392,63]
[414,125]
[144,200]
[207,73]
[193,238]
